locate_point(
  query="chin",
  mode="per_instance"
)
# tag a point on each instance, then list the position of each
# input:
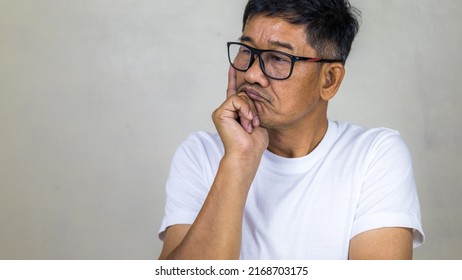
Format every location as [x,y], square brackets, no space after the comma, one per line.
[266,123]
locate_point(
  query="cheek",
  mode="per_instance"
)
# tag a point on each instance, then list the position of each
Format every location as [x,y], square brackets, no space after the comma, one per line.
[298,98]
[240,78]
[296,93]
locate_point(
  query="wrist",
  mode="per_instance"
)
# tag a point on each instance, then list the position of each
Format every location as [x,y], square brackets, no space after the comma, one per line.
[241,168]
[245,161]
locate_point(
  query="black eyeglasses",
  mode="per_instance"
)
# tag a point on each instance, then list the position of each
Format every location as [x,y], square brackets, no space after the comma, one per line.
[274,64]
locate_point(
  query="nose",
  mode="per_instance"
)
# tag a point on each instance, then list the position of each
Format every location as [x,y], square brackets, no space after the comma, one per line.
[255,75]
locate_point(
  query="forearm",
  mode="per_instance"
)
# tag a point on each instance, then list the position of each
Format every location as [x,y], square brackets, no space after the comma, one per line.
[216,232]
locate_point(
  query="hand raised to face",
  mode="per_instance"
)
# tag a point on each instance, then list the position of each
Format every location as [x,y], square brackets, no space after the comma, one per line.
[238,124]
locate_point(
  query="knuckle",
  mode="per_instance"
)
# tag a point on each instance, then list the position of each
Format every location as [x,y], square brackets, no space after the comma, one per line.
[242,95]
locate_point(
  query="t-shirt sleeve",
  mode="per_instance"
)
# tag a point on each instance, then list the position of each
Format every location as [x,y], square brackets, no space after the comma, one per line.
[186,187]
[388,196]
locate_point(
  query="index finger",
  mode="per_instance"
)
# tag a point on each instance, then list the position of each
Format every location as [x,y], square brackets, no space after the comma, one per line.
[231,90]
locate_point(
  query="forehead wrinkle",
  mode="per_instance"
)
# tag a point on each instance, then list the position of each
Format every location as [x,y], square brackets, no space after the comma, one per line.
[281,45]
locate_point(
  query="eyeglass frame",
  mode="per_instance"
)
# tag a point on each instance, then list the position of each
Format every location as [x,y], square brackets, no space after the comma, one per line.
[293,59]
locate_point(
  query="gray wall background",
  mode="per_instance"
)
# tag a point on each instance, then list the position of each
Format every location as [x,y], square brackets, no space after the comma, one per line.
[95,96]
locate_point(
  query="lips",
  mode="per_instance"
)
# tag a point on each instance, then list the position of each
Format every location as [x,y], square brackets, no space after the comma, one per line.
[253,94]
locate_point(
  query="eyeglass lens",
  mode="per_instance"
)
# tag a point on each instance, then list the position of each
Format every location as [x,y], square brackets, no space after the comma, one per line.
[274,64]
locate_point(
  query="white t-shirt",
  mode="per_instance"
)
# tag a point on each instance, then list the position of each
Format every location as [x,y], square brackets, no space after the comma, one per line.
[310,207]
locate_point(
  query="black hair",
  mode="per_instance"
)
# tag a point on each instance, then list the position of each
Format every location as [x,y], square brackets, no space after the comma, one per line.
[331,25]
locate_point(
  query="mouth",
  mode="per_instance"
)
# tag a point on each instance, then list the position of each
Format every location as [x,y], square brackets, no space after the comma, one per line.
[253,94]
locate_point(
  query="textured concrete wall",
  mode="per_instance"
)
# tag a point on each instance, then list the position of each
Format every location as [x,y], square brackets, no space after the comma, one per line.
[95,96]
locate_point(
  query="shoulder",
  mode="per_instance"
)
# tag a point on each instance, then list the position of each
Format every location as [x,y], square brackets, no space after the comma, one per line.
[372,139]
[203,141]
[370,146]
[199,146]
[353,131]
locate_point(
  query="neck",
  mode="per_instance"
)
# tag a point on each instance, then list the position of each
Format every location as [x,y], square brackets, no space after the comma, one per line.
[297,142]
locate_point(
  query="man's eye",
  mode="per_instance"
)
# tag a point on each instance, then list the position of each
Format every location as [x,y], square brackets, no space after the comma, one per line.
[244,51]
[279,58]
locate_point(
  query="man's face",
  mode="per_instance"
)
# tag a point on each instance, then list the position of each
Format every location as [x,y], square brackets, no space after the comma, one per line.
[287,103]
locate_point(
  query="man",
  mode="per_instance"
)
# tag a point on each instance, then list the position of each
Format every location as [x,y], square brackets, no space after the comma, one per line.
[280,180]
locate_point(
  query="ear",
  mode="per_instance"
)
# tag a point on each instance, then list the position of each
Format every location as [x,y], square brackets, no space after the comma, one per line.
[332,77]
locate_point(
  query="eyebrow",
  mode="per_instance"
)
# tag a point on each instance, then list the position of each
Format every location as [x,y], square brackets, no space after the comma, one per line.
[272,43]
